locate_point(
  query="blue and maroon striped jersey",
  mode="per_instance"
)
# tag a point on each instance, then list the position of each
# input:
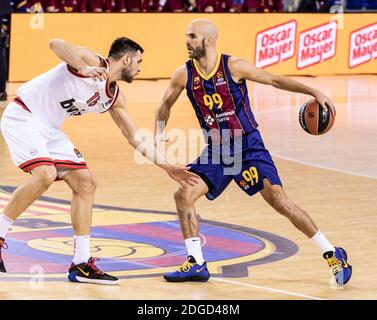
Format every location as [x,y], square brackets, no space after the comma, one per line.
[219,102]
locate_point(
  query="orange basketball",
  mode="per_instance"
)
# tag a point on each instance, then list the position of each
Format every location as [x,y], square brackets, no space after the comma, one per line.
[314,119]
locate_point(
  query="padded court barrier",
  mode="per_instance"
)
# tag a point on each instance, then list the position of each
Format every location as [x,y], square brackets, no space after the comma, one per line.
[291,44]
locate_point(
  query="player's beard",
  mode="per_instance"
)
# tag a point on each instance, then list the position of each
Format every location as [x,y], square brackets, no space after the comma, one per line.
[199,52]
[127,75]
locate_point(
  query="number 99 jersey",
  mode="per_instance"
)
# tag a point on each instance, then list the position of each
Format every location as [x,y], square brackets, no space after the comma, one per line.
[237,152]
[219,102]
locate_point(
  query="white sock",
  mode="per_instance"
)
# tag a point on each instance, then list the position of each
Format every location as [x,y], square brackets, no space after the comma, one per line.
[81,249]
[5,224]
[322,242]
[194,249]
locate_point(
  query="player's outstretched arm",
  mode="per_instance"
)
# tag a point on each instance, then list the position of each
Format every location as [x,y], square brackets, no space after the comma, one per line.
[141,143]
[84,60]
[176,86]
[242,69]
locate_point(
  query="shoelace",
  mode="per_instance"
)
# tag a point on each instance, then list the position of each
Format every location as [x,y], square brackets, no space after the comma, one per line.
[334,264]
[186,266]
[91,264]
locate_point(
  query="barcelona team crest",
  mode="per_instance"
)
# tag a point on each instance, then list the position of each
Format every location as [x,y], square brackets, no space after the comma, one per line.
[244,184]
[130,242]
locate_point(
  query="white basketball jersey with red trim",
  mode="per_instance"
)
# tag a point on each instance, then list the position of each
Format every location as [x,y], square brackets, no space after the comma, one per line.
[61,92]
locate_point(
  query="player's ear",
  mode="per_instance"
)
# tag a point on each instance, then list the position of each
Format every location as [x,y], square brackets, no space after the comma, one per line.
[208,41]
[126,59]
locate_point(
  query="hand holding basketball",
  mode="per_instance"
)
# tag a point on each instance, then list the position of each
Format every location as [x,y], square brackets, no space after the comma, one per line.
[315,119]
[325,102]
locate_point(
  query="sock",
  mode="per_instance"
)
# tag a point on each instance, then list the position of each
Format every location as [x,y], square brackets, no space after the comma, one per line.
[322,242]
[81,249]
[5,224]
[194,249]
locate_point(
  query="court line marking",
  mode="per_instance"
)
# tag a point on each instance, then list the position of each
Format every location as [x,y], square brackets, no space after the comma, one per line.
[323,167]
[267,289]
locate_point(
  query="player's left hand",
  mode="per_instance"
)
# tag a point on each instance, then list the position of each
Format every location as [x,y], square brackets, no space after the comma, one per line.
[181,174]
[325,102]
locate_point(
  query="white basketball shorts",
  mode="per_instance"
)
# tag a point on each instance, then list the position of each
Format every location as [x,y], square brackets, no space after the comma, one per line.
[31,144]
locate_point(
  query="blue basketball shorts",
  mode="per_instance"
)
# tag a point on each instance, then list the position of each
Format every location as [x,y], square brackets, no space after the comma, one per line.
[248,165]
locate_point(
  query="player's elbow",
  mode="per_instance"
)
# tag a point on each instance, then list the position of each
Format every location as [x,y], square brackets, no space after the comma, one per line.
[161,113]
[53,43]
[131,137]
[134,143]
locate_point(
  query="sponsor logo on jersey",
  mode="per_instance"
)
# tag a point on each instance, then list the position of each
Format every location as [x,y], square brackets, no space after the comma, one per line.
[224,116]
[70,108]
[209,120]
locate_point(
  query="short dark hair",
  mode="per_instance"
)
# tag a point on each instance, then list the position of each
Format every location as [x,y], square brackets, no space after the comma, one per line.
[121,46]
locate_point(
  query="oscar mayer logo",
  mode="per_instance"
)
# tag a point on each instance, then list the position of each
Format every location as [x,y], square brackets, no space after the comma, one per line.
[275,44]
[317,44]
[363,45]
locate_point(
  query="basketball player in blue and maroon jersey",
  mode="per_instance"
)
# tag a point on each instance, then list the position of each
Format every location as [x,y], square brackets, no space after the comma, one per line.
[216,86]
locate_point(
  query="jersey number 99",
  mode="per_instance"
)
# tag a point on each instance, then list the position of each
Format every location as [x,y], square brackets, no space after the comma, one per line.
[210,101]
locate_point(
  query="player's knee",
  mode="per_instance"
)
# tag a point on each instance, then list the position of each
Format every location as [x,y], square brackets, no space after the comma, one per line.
[45,176]
[179,196]
[183,197]
[87,185]
[280,202]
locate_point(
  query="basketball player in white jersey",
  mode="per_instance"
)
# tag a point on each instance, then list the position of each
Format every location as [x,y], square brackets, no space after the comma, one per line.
[84,82]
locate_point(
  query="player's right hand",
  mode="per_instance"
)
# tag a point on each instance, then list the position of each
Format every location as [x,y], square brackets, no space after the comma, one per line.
[325,103]
[96,73]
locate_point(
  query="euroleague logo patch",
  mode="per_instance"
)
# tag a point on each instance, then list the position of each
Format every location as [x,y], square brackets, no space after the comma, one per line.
[130,242]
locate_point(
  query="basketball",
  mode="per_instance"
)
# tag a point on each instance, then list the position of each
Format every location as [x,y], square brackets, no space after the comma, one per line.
[314,119]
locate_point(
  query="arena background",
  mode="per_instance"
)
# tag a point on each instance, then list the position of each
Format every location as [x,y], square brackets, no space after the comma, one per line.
[253,252]
[336,43]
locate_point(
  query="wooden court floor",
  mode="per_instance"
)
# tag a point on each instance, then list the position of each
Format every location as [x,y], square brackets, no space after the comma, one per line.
[334,177]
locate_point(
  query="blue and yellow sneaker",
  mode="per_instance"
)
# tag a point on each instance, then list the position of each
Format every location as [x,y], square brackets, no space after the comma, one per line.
[189,271]
[337,261]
